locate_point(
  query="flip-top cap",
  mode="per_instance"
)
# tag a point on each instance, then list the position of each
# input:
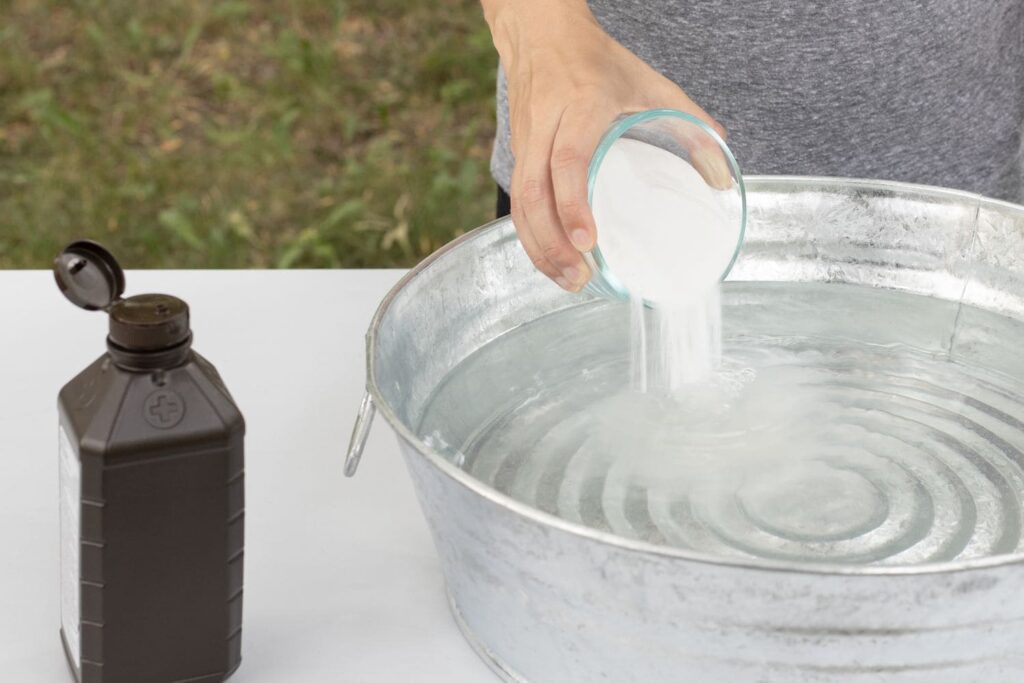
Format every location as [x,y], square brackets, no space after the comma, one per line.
[91,278]
[88,275]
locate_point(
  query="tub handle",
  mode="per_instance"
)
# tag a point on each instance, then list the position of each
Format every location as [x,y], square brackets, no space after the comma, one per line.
[360,431]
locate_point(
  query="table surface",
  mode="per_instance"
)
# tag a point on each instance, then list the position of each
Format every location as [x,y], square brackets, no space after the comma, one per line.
[341,578]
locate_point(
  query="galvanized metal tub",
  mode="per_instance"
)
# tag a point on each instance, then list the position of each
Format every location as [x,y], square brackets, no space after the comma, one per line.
[542,599]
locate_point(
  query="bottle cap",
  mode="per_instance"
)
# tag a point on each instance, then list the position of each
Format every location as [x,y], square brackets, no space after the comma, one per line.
[88,275]
[91,278]
[149,322]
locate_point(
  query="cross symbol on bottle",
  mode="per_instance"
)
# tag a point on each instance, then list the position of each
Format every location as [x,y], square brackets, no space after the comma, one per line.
[164,408]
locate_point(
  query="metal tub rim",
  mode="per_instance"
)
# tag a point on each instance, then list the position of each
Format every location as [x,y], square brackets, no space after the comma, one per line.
[545,519]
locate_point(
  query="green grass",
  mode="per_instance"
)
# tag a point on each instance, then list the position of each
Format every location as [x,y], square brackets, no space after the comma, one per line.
[243,133]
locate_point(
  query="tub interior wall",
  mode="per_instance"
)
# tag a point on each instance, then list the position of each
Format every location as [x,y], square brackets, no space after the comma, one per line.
[947,245]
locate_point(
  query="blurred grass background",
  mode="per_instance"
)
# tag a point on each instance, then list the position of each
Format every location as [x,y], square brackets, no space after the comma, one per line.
[243,133]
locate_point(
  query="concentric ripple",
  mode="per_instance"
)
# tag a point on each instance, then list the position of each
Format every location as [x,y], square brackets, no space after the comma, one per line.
[816,445]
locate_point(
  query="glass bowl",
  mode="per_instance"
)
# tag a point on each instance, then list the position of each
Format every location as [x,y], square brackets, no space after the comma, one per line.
[703,150]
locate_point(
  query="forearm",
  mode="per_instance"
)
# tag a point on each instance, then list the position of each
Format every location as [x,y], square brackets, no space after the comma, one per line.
[511,20]
[536,8]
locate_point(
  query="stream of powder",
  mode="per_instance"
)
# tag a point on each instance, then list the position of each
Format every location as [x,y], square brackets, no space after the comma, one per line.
[667,238]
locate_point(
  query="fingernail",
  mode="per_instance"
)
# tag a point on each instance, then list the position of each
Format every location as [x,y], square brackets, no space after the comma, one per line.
[563,283]
[580,239]
[571,274]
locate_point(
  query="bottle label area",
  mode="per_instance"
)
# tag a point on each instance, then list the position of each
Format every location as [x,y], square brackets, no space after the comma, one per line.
[70,537]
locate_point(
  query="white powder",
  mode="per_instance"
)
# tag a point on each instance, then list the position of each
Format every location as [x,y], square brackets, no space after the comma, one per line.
[668,237]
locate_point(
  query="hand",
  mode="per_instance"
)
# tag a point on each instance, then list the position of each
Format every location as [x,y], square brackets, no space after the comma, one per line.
[568,81]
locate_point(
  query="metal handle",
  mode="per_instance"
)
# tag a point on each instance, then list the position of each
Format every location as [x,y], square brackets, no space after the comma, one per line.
[360,431]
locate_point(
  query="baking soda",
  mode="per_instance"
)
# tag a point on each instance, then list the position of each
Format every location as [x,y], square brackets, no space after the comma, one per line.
[667,236]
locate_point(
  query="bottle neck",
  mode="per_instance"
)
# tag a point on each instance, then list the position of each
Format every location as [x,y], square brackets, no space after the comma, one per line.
[172,357]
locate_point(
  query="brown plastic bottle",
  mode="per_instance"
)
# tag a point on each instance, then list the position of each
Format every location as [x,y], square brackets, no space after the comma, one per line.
[151,494]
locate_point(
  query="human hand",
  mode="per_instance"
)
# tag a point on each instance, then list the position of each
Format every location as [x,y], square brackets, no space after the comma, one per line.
[568,81]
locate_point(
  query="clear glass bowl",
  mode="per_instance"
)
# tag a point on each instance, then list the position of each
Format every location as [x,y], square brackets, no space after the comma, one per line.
[693,141]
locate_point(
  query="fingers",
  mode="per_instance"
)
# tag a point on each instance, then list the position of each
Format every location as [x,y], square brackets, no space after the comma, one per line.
[709,160]
[534,203]
[574,144]
[531,247]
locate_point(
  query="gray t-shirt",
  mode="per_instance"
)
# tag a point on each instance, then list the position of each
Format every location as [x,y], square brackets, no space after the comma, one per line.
[926,91]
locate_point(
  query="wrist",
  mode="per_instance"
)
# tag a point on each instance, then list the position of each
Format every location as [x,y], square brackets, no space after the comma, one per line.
[513,21]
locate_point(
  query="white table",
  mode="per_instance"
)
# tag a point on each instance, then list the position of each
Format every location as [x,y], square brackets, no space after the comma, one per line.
[341,579]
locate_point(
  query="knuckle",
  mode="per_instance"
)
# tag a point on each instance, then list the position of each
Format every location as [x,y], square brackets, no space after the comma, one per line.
[533,192]
[572,211]
[539,262]
[565,156]
[556,253]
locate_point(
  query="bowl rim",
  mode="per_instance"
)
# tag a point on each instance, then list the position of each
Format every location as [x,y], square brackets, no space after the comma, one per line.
[753,184]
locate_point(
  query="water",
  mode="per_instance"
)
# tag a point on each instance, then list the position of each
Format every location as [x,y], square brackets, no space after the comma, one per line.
[839,428]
